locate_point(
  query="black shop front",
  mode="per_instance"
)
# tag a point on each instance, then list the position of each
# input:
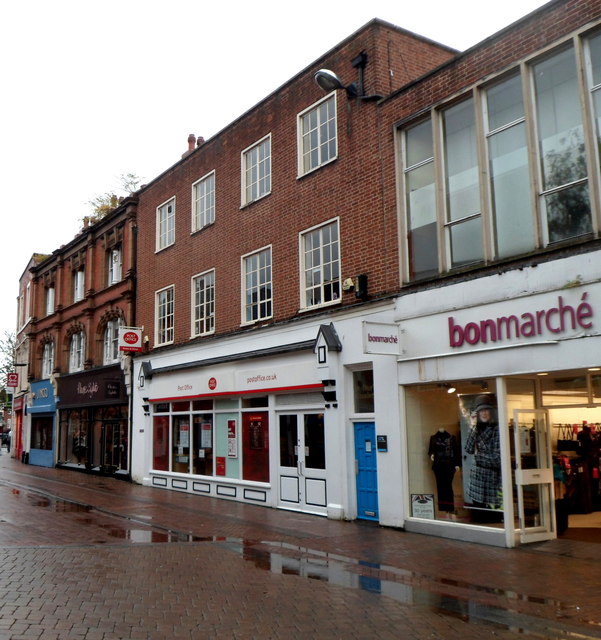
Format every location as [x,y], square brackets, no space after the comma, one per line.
[93,422]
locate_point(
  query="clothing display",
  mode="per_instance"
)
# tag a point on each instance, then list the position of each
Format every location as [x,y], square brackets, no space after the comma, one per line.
[484,486]
[445,454]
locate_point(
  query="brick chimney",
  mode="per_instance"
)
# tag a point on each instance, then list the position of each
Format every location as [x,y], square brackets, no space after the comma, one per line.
[191,143]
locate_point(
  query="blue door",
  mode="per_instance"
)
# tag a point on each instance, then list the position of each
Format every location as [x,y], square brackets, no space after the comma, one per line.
[366,466]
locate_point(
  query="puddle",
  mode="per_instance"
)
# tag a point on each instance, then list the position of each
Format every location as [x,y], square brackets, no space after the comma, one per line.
[410,588]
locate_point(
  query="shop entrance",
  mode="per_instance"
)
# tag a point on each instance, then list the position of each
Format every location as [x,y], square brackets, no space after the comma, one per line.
[533,475]
[302,462]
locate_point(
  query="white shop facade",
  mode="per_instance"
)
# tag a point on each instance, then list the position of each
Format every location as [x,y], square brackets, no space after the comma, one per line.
[277,418]
[500,393]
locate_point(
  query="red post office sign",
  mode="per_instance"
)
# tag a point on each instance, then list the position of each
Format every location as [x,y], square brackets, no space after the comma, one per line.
[12,380]
[130,339]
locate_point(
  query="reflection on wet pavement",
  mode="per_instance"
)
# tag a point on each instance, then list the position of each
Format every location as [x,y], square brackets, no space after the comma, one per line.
[494,607]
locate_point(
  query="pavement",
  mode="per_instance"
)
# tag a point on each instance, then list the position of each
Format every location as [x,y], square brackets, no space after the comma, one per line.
[95,558]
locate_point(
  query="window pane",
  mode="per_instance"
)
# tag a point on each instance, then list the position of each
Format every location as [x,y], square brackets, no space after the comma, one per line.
[561,137]
[421,212]
[466,242]
[510,185]
[461,161]
[504,102]
[419,143]
[568,213]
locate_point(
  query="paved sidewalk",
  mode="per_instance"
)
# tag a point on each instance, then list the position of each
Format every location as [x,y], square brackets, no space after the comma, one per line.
[78,561]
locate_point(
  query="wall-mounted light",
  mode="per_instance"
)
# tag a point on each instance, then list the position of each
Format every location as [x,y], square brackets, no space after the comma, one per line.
[329,81]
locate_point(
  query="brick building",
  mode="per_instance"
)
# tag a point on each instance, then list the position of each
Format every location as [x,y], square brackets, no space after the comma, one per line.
[265,250]
[77,401]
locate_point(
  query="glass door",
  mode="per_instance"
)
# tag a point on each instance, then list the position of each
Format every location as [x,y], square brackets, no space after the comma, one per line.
[533,476]
[302,462]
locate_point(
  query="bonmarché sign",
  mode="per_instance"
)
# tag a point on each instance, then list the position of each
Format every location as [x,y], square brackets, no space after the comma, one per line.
[559,318]
[380,337]
[560,315]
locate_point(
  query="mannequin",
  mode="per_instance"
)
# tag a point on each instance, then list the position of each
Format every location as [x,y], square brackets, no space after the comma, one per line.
[446,460]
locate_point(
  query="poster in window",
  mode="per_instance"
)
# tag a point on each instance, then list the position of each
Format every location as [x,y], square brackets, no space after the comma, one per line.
[206,440]
[255,431]
[232,439]
[184,435]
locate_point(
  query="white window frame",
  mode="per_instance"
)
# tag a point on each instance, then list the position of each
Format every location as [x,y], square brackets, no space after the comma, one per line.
[110,342]
[50,298]
[304,136]
[48,360]
[203,203]
[259,286]
[164,328]
[165,224]
[77,352]
[79,285]
[303,268]
[203,323]
[115,266]
[251,165]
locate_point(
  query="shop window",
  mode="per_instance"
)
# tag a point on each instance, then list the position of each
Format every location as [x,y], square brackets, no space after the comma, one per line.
[363,391]
[454,453]
[255,453]
[203,444]
[160,443]
[41,433]
[180,447]
[202,405]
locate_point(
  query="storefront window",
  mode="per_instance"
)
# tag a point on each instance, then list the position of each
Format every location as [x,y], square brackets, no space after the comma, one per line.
[454,453]
[41,433]
[255,446]
[180,439]
[564,389]
[203,444]
[161,443]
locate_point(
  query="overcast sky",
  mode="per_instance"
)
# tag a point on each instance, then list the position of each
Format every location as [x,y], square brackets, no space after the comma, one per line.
[94,90]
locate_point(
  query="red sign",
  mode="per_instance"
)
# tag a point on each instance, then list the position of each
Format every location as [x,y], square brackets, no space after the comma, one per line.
[130,339]
[12,380]
[212,384]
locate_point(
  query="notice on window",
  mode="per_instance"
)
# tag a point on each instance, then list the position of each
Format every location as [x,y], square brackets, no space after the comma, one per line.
[206,440]
[232,439]
[422,505]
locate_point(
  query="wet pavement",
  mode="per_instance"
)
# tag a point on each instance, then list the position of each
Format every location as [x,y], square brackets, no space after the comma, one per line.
[92,558]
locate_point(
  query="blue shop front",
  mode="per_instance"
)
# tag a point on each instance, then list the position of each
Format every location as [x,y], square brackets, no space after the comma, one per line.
[42,414]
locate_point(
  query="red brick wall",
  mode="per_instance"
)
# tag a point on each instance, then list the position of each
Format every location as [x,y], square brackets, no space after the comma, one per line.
[349,188]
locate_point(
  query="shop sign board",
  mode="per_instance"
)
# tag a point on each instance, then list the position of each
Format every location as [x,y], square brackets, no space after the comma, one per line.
[567,314]
[382,338]
[422,505]
[12,380]
[130,339]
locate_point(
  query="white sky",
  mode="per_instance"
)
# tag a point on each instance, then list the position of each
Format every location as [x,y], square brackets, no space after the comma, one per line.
[94,90]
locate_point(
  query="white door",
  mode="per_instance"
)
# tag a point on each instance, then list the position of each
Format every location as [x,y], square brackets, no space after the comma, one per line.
[302,464]
[534,476]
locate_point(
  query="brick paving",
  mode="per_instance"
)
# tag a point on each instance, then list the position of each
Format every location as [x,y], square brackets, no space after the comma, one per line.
[93,558]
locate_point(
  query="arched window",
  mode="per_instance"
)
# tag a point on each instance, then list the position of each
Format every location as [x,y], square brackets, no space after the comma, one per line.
[48,360]
[111,341]
[77,352]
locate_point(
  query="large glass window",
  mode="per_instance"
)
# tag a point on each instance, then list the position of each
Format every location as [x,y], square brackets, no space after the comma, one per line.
[257,293]
[509,174]
[463,221]
[203,202]
[317,135]
[203,304]
[454,453]
[565,196]
[165,316]
[256,171]
[594,76]
[211,438]
[165,224]
[420,195]
[320,259]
